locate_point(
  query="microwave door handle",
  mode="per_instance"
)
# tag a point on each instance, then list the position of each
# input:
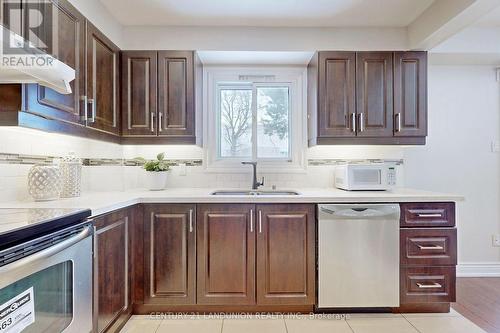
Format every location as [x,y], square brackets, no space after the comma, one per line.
[53,250]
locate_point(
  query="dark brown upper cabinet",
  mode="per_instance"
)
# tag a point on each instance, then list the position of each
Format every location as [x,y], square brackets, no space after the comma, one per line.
[170,254]
[336,94]
[367,98]
[92,109]
[158,106]
[139,91]
[374,94]
[410,94]
[70,34]
[102,82]
[176,113]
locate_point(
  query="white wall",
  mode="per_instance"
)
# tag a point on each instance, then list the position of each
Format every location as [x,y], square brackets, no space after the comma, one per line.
[263,39]
[96,13]
[464,108]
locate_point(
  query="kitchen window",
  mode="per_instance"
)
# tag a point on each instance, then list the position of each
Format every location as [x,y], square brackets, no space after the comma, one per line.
[254,115]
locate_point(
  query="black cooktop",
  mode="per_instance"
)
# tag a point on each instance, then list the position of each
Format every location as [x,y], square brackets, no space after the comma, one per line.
[22,224]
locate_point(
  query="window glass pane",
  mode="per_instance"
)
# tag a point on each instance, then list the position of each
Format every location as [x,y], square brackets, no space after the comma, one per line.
[235,123]
[273,122]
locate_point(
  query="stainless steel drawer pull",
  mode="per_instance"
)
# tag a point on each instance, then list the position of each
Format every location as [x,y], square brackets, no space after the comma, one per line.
[152,122]
[353,122]
[431,247]
[434,285]
[190,220]
[398,122]
[429,215]
[251,220]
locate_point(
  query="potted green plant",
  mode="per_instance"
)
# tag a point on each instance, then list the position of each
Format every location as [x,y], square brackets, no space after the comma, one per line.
[156,172]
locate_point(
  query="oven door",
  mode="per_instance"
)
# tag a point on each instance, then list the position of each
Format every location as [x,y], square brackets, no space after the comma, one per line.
[51,290]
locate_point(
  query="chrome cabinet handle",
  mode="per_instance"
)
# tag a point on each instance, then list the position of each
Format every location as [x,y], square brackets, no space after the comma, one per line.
[398,122]
[361,122]
[160,121]
[260,221]
[431,247]
[92,102]
[429,215]
[190,220]
[434,285]
[353,122]
[251,220]
[152,122]
[85,116]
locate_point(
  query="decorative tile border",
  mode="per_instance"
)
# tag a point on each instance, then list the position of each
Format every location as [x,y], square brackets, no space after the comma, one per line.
[6,158]
[46,160]
[331,161]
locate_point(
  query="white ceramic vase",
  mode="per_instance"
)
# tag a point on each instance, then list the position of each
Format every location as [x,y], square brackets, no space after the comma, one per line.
[156,181]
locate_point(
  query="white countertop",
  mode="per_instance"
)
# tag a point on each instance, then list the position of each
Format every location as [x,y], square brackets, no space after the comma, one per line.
[104,202]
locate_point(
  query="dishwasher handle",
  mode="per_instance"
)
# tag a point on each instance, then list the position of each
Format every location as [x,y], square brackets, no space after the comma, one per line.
[360,211]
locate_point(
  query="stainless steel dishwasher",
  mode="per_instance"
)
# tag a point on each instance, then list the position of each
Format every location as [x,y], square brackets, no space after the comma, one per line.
[358,255]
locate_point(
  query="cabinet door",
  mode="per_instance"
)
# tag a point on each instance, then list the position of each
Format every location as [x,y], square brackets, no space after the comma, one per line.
[374,94]
[176,107]
[170,254]
[112,298]
[102,82]
[70,34]
[226,254]
[286,254]
[410,93]
[139,105]
[336,94]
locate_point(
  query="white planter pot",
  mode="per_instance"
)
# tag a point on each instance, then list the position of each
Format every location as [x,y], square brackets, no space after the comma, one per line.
[156,181]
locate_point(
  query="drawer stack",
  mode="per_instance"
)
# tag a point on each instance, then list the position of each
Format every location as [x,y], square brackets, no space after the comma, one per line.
[428,247]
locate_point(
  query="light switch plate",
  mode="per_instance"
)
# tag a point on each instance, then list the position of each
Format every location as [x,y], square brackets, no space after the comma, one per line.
[495,146]
[496,240]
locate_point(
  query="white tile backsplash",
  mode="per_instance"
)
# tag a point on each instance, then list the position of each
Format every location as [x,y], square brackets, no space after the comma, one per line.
[13,178]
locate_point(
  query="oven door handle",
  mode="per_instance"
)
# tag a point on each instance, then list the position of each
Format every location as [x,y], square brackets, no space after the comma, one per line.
[53,250]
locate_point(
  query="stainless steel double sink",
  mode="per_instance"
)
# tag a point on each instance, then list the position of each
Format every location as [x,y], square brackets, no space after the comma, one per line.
[255,192]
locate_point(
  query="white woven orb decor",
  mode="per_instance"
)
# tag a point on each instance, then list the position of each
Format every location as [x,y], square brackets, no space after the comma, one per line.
[44,182]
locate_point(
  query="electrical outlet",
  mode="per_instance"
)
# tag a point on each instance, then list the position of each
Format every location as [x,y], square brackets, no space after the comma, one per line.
[182,169]
[496,240]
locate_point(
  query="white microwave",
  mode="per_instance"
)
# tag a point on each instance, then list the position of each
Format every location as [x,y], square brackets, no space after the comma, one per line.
[365,177]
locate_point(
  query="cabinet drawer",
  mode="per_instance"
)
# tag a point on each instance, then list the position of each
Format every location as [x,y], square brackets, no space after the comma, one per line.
[428,246]
[427,284]
[428,214]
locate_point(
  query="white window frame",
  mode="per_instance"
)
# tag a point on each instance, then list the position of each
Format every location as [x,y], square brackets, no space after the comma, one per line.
[216,77]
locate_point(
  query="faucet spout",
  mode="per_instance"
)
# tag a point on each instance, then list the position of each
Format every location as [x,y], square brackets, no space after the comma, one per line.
[255,183]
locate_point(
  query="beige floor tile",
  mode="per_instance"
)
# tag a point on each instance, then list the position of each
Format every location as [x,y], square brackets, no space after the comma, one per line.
[381,325]
[190,326]
[374,315]
[141,325]
[452,313]
[444,325]
[306,325]
[254,326]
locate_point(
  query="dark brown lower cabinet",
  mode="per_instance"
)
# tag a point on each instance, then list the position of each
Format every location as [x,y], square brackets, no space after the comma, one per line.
[428,250]
[285,254]
[170,254]
[112,254]
[226,254]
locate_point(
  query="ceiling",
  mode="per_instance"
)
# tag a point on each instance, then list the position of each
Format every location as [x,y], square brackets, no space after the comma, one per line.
[490,20]
[268,13]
